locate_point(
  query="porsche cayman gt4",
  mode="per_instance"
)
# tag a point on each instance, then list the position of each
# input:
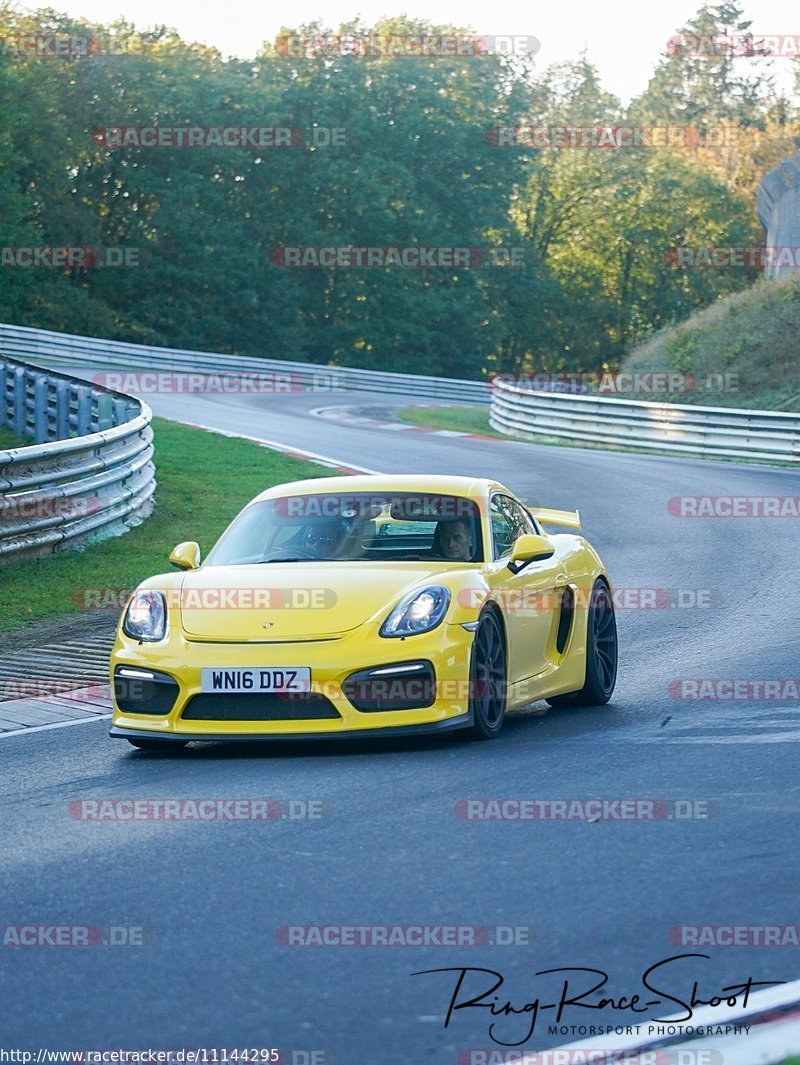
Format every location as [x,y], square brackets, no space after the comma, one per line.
[358,606]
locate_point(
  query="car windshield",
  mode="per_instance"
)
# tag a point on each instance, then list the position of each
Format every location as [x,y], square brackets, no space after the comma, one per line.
[368,527]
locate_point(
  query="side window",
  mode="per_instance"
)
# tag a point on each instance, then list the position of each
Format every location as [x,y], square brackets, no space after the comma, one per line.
[509,522]
[523,523]
[502,526]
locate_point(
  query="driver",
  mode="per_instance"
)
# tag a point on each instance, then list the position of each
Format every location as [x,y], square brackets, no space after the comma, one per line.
[453,540]
[324,539]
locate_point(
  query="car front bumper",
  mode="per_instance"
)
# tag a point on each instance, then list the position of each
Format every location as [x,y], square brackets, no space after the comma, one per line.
[331,662]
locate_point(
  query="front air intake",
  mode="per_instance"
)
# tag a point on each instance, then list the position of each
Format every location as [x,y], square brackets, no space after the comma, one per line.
[402,686]
[144,691]
[260,706]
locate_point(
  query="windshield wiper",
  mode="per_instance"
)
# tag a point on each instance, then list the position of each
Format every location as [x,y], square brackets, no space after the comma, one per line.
[266,561]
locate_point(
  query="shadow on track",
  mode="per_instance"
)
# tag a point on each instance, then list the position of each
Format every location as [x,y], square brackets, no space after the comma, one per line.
[532,726]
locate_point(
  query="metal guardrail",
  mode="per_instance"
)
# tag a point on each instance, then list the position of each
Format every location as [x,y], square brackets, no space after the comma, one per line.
[39,344]
[708,432]
[89,473]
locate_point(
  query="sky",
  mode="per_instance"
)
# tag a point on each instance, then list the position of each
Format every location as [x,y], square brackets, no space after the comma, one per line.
[623,38]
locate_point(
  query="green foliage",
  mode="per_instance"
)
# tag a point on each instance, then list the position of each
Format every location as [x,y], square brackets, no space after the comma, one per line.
[418,166]
[750,336]
[682,347]
[700,90]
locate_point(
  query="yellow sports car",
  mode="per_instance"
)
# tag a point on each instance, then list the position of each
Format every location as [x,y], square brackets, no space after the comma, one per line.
[359,606]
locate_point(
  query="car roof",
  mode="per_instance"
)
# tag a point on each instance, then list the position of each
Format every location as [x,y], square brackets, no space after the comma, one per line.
[470,487]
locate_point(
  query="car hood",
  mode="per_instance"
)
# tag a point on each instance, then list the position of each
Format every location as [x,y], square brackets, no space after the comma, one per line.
[295,601]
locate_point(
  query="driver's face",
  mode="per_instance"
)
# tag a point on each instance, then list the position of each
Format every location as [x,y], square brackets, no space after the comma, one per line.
[456,541]
[321,540]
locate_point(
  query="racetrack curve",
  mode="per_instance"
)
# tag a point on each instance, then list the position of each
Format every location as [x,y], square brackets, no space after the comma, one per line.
[390,848]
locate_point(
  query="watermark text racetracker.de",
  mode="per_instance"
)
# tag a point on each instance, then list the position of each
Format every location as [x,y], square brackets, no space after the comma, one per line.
[585,809]
[45,45]
[734,507]
[404,935]
[404,45]
[735,689]
[748,45]
[405,256]
[74,935]
[618,382]
[166,136]
[589,136]
[205,810]
[74,689]
[269,383]
[532,602]
[30,506]
[67,257]
[213,598]
[588,1055]
[735,935]
[740,257]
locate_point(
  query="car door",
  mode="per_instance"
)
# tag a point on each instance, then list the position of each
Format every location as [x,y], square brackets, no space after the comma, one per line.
[530,598]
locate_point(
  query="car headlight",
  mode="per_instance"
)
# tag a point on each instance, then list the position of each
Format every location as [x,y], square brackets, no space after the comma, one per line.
[420,611]
[146,616]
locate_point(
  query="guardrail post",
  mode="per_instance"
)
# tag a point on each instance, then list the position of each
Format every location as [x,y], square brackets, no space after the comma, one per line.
[5,418]
[72,408]
[84,410]
[121,414]
[40,409]
[19,418]
[105,411]
[62,410]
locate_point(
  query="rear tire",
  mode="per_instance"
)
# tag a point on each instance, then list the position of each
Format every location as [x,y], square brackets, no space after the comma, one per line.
[601,653]
[487,678]
[158,746]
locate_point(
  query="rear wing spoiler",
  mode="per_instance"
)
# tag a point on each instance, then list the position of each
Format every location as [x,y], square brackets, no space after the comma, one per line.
[570,518]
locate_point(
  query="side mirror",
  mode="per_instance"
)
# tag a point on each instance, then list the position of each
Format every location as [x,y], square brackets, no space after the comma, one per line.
[530,548]
[186,555]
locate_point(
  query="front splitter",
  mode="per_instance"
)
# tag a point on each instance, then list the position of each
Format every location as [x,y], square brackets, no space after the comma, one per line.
[449,725]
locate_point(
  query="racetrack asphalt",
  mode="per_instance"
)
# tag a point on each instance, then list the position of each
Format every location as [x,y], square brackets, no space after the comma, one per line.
[389,848]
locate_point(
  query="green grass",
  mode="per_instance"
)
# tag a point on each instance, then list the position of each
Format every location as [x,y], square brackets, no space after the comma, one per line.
[8,440]
[203,478]
[752,335]
[461,419]
[476,420]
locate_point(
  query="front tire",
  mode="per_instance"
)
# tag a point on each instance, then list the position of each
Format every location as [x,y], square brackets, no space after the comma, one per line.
[157,746]
[487,678]
[601,653]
